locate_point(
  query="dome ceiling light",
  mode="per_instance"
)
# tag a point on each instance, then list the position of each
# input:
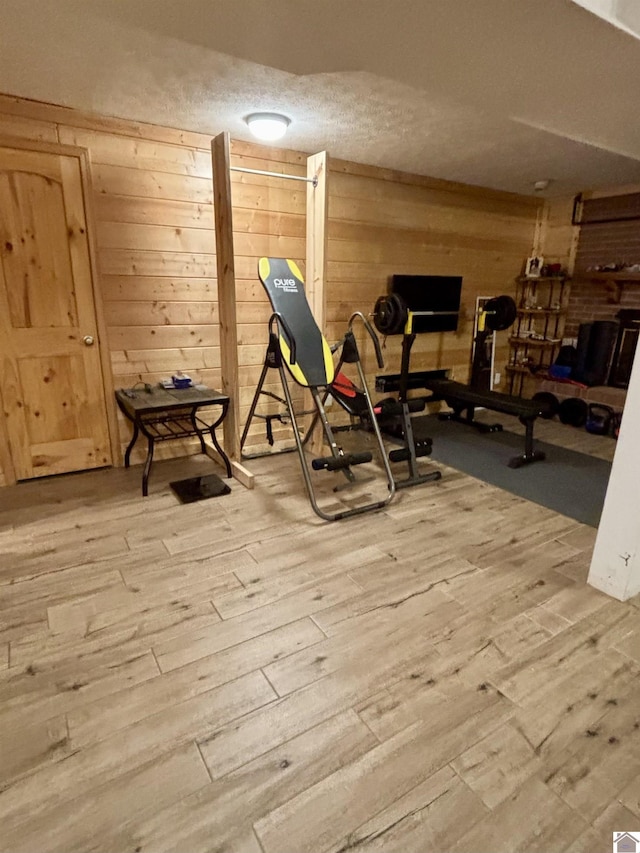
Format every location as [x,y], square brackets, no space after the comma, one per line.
[268,127]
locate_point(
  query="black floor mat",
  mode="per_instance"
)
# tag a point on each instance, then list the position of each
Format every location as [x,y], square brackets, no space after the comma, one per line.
[199,488]
[568,482]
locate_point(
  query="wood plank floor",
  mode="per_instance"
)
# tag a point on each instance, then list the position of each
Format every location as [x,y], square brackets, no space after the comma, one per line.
[236,675]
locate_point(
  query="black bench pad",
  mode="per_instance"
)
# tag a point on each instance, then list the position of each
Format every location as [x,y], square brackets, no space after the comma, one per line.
[458,393]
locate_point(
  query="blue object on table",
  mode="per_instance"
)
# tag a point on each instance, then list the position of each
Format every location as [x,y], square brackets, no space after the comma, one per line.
[560,371]
[181,381]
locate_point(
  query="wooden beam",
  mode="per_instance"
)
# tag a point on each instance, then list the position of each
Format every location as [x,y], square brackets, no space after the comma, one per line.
[238,471]
[316,261]
[316,266]
[222,207]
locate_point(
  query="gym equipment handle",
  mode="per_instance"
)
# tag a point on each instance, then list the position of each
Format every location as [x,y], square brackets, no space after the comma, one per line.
[337,463]
[372,335]
[279,319]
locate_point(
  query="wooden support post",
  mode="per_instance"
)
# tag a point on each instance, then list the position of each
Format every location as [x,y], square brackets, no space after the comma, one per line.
[316,262]
[317,236]
[221,161]
[238,471]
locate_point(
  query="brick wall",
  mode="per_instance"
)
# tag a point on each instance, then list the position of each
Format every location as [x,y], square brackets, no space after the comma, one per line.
[616,242]
[591,300]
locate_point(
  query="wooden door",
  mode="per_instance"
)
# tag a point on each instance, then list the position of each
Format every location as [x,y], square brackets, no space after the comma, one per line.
[51,384]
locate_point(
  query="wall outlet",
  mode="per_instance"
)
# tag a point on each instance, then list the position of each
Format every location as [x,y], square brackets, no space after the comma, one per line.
[496,378]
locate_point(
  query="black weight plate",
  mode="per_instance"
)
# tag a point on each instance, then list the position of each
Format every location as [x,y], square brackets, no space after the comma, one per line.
[380,314]
[390,314]
[549,401]
[573,411]
[501,313]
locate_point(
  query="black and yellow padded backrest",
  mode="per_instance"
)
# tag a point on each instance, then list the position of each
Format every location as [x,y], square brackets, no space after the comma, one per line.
[285,287]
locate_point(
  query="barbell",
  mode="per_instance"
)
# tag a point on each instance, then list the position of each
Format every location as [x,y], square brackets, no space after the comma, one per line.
[390,314]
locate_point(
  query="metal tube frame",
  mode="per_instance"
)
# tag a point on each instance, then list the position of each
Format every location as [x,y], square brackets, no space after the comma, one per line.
[313,180]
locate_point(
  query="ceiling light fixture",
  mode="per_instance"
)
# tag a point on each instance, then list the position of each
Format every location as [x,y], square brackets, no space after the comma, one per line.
[268,126]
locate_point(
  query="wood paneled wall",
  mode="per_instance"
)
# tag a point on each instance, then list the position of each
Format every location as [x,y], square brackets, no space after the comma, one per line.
[152,198]
[383,222]
[559,238]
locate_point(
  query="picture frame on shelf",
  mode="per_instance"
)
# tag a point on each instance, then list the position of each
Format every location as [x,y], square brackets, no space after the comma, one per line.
[533,267]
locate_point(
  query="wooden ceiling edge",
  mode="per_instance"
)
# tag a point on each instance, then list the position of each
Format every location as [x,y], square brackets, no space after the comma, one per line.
[43,111]
[349,167]
[70,116]
[610,192]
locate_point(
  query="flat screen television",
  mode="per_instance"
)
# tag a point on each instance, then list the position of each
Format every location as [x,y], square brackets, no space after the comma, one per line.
[431,293]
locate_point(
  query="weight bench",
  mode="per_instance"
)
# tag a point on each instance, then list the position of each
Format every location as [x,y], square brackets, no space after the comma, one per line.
[462,398]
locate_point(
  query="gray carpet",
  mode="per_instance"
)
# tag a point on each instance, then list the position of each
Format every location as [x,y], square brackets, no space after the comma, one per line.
[570,483]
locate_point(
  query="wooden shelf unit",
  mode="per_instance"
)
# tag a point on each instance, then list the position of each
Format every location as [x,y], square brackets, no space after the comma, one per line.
[542,305]
[533,342]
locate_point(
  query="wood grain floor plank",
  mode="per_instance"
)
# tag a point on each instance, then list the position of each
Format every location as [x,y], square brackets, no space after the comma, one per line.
[17,565]
[364,648]
[316,819]
[531,819]
[491,549]
[233,745]
[225,536]
[598,838]
[426,818]
[17,623]
[260,592]
[127,798]
[56,585]
[388,571]
[184,570]
[629,796]
[132,635]
[601,760]
[519,635]
[24,604]
[388,605]
[587,782]
[129,749]
[496,766]
[567,709]
[24,748]
[261,786]
[547,620]
[53,690]
[576,604]
[100,719]
[549,663]
[303,550]
[189,647]
[583,537]
[94,613]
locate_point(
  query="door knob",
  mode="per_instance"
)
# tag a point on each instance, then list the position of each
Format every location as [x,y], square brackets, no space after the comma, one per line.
[88,340]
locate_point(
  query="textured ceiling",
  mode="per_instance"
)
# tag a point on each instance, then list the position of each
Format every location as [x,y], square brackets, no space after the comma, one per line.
[499,93]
